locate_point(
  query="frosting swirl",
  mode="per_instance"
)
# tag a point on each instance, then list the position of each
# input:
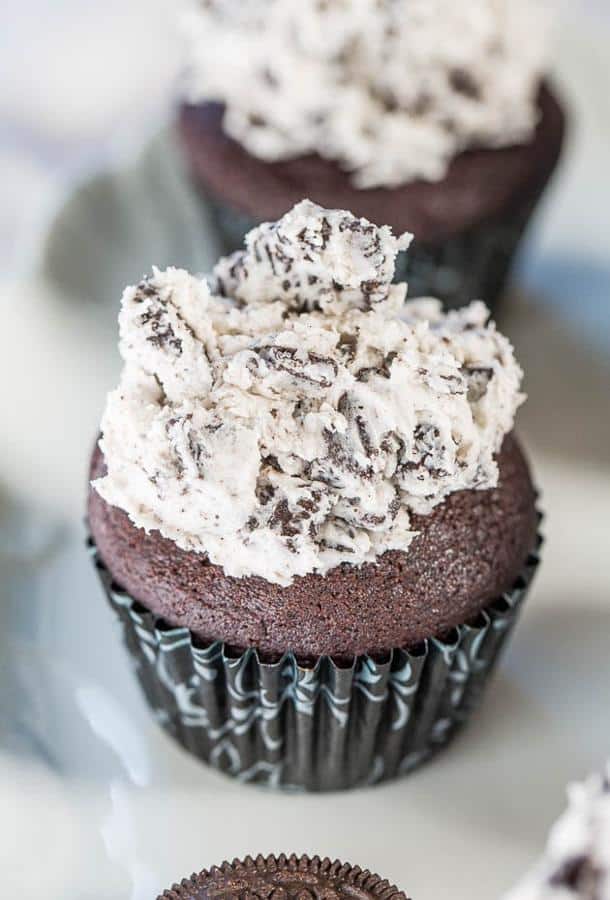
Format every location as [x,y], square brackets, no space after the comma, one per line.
[392,90]
[289,414]
[576,864]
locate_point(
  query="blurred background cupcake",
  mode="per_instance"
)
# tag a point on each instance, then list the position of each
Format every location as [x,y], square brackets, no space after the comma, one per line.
[290,877]
[576,862]
[308,508]
[434,117]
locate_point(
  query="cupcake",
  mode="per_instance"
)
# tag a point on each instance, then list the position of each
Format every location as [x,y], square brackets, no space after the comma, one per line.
[430,115]
[283,876]
[308,506]
[576,863]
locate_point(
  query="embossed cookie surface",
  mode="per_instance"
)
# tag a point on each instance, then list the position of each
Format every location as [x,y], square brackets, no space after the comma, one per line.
[284,878]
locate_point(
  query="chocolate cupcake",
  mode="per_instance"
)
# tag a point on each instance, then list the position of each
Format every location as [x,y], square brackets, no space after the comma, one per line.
[308,508]
[288,877]
[433,117]
[576,863]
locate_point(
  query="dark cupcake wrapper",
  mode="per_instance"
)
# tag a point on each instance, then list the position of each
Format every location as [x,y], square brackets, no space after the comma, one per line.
[320,726]
[472,265]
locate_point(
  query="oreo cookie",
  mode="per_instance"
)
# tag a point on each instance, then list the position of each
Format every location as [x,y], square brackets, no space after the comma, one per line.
[284,878]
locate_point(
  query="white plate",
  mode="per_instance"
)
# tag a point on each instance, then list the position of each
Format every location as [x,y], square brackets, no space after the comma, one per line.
[102,804]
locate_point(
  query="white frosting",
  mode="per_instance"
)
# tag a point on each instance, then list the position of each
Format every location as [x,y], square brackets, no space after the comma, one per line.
[576,864]
[393,90]
[291,413]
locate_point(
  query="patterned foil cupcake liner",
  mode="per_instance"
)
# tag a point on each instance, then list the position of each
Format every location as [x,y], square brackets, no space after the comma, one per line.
[473,265]
[315,727]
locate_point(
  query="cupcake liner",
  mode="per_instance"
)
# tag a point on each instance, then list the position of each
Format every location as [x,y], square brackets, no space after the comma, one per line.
[320,726]
[472,265]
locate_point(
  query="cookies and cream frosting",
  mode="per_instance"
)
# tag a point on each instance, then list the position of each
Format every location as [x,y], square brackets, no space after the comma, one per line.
[392,90]
[576,864]
[291,412]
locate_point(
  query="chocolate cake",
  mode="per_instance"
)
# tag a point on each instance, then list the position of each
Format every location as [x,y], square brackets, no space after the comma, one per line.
[468,551]
[288,877]
[481,186]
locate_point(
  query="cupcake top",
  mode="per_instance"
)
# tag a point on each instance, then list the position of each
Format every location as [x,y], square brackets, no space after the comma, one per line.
[576,864]
[289,413]
[391,90]
[285,877]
